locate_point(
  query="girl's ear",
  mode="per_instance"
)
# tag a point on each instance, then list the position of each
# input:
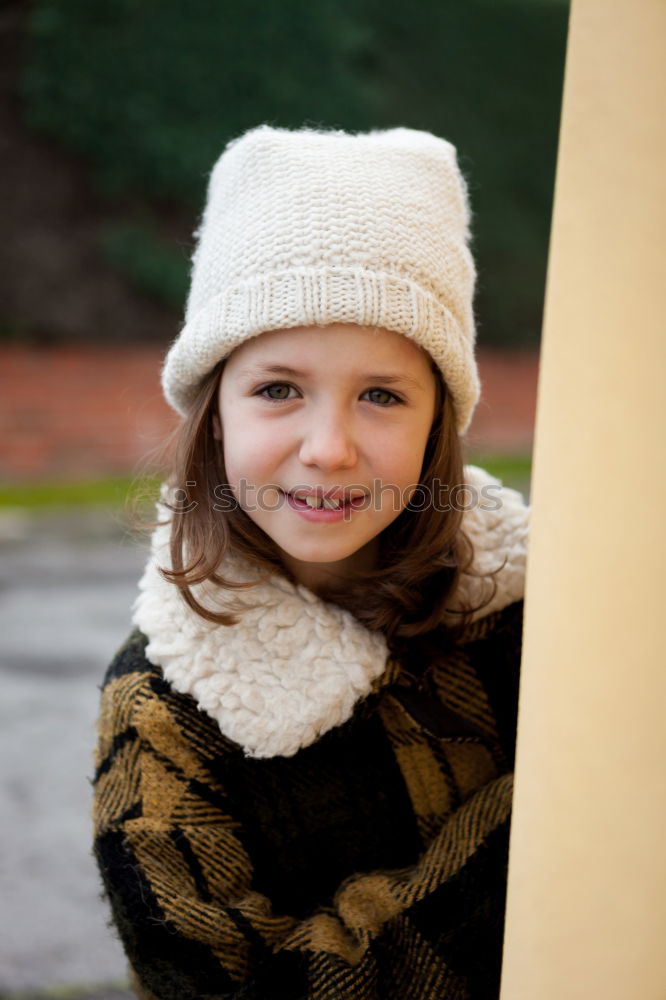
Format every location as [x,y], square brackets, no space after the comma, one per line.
[217,428]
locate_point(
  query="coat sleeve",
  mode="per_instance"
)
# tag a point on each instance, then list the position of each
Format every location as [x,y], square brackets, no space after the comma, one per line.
[179,882]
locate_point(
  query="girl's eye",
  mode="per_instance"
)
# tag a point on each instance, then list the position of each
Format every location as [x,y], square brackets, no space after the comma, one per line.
[277,390]
[381,396]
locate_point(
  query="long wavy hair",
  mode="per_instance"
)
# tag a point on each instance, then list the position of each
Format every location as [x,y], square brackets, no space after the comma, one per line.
[422,553]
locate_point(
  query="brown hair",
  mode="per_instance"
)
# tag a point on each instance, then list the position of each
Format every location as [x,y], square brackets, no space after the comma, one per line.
[422,553]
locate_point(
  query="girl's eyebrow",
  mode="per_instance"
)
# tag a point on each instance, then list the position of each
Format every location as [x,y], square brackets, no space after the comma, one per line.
[394,380]
[259,371]
[255,371]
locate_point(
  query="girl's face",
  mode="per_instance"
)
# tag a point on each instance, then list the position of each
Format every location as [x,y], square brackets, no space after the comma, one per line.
[340,413]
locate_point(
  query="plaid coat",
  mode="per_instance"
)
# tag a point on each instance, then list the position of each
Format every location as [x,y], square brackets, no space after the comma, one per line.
[367,861]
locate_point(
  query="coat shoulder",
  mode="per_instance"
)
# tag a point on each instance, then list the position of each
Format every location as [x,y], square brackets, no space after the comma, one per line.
[130,658]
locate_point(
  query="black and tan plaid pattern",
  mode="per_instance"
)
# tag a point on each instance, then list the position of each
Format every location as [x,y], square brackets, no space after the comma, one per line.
[371,865]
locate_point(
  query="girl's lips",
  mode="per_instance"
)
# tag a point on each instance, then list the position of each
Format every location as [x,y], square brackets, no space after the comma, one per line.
[325,515]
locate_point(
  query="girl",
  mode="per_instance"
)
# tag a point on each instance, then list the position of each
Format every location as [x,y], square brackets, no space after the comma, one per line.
[303,780]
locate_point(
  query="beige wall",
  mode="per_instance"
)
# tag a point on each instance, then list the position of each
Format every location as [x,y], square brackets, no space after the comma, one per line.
[586,914]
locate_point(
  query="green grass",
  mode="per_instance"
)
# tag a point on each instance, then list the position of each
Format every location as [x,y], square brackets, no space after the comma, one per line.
[512,470]
[112,493]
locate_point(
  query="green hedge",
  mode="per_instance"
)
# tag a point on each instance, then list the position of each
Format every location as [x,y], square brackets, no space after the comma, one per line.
[150,90]
[153,266]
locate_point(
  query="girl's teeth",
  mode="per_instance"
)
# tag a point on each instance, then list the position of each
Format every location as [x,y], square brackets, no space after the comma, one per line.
[328,502]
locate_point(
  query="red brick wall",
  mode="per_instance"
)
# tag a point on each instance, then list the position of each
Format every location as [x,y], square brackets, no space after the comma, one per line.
[70,413]
[78,413]
[504,419]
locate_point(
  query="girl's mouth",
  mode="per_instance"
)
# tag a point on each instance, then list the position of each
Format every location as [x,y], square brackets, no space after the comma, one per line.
[325,509]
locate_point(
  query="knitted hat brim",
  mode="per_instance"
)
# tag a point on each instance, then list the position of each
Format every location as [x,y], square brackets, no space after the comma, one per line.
[320,297]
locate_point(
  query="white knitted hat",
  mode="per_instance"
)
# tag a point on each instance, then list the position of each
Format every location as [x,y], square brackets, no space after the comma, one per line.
[307,227]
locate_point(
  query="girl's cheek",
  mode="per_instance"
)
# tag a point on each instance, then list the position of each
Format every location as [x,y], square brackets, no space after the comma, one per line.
[248,454]
[397,451]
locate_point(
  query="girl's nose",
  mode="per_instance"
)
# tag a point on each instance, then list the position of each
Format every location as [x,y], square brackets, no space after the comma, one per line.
[328,445]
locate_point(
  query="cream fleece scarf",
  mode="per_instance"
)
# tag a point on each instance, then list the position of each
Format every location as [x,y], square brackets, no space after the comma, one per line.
[294,666]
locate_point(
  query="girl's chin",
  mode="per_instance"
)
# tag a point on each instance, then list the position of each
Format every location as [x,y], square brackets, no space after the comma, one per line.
[330,561]
[318,557]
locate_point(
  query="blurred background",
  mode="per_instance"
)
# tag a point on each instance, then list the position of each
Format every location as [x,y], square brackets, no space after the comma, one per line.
[111,115]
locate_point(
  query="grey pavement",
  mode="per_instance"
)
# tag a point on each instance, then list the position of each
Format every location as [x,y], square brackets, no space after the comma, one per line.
[66,586]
